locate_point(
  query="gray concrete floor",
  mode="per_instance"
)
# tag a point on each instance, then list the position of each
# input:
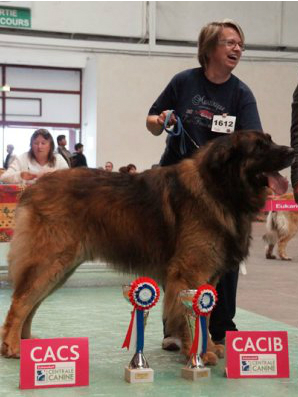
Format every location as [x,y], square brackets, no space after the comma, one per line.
[270,287]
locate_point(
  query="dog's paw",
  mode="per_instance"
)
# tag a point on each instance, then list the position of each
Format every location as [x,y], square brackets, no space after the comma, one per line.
[285,258]
[209,358]
[270,256]
[219,350]
[8,352]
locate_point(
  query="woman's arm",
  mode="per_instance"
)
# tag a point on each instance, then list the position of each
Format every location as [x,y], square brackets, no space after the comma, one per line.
[13,173]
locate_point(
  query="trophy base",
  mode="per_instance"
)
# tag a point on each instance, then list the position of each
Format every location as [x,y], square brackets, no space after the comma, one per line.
[195,373]
[138,375]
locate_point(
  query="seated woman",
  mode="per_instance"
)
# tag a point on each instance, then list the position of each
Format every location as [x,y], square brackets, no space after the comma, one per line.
[40,159]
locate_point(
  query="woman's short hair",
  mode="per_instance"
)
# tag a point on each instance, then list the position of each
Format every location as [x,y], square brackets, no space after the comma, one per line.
[209,35]
[47,136]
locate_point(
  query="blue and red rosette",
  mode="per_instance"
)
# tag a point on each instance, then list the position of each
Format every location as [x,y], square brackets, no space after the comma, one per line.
[203,303]
[143,294]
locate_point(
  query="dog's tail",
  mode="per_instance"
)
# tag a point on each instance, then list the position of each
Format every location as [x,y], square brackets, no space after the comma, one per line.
[272,227]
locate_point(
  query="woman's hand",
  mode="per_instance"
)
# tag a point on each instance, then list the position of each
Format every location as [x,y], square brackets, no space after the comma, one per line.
[155,123]
[162,118]
[28,176]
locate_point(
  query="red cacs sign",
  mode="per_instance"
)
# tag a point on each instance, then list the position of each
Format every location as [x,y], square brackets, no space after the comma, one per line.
[59,362]
[257,354]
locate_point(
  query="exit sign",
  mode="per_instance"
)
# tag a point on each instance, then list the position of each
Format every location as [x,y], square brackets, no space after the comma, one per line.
[17,18]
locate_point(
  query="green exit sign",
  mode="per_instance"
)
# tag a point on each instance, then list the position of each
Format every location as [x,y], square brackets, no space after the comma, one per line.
[15,17]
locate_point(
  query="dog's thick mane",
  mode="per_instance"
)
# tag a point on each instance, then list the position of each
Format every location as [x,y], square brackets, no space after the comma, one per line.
[224,165]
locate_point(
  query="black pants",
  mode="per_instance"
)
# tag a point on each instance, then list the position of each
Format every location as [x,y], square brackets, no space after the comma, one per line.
[221,319]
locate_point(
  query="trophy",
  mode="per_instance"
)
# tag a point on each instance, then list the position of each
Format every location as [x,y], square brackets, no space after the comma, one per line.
[143,293]
[199,303]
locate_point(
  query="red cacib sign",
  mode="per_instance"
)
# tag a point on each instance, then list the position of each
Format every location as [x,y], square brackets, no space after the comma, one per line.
[59,362]
[257,354]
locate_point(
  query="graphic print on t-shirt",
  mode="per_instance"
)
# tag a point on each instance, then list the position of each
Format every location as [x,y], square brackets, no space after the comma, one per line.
[202,111]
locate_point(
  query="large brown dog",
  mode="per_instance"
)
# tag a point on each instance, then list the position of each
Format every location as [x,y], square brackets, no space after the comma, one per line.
[183,225]
[281,227]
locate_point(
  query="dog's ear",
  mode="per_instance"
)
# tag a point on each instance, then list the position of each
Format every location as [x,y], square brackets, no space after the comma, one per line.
[221,155]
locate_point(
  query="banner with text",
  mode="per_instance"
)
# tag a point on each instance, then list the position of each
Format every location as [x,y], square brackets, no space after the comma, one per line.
[15,17]
[257,354]
[59,362]
[280,205]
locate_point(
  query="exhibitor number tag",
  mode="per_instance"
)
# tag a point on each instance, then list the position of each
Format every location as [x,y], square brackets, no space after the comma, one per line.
[224,124]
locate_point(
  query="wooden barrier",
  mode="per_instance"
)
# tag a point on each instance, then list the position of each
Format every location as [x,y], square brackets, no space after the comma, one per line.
[9,196]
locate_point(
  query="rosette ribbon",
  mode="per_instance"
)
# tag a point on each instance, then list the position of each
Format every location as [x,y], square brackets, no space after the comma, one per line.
[203,303]
[143,294]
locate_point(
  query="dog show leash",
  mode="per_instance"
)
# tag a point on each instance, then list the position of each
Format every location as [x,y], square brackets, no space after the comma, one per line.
[178,130]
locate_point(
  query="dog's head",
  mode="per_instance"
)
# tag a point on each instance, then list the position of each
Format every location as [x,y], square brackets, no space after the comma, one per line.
[246,162]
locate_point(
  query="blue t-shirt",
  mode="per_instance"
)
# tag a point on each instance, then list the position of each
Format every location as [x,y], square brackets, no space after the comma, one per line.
[196,100]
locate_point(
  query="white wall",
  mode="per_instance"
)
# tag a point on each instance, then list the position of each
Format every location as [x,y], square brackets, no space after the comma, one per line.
[114,18]
[260,20]
[264,22]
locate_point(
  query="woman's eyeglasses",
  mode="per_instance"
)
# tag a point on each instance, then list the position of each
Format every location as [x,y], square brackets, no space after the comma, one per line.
[232,44]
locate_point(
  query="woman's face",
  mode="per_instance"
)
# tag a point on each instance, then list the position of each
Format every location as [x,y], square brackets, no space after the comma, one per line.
[228,51]
[41,147]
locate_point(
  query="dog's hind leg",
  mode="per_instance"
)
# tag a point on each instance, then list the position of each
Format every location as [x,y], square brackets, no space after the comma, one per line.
[269,251]
[281,246]
[33,286]
[26,330]
[270,238]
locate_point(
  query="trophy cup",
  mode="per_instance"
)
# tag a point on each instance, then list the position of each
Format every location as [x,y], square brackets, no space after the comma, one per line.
[199,303]
[143,293]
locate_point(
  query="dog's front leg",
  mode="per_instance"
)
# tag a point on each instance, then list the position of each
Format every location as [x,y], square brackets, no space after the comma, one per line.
[219,350]
[175,324]
[174,315]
